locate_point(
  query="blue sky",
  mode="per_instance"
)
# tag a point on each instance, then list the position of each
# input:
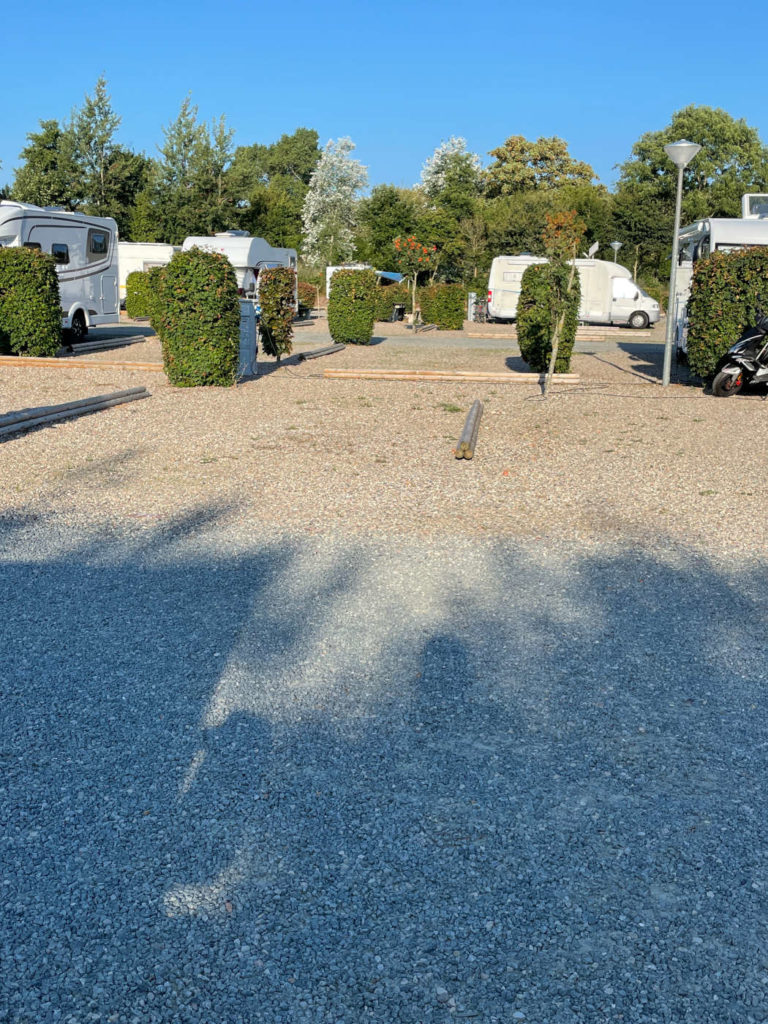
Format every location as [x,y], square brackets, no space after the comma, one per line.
[397,78]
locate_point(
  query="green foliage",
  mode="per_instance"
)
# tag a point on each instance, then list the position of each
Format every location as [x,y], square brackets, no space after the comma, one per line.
[276,298]
[30,307]
[389,296]
[137,296]
[520,166]
[385,214]
[544,298]
[307,296]
[352,306]
[199,321]
[46,176]
[444,305]
[728,292]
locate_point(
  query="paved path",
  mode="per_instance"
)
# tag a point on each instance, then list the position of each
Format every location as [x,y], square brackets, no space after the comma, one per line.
[316,780]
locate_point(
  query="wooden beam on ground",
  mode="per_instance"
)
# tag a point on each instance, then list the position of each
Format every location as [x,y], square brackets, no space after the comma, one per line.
[30,362]
[24,419]
[315,352]
[448,376]
[468,438]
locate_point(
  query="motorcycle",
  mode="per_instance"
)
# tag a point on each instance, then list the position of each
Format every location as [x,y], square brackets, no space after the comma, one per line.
[745,362]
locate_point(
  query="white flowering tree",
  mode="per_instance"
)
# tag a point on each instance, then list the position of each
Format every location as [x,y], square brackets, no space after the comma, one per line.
[449,166]
[330,206]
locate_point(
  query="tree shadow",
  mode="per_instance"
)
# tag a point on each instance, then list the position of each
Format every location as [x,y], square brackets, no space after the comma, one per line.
[337,781]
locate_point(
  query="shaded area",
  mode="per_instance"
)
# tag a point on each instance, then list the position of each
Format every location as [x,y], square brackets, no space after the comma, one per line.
[323,781]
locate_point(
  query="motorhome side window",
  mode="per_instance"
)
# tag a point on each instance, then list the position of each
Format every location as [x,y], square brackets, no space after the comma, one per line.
[32,245]
[60,252]
[98,244]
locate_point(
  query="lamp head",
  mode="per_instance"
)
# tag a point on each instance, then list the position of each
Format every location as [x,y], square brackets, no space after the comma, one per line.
[681,153]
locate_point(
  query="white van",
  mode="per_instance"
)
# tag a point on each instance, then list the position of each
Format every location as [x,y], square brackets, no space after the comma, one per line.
[248,256]
[85,252]
[141,256]
[608,293]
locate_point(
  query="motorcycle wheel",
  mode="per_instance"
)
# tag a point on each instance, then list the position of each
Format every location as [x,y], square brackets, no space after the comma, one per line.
[727,383]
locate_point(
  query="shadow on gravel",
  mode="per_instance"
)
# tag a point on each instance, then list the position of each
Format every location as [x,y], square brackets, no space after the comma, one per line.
[323,781]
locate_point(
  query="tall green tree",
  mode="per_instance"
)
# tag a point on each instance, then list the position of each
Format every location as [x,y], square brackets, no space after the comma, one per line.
[521,165]
[387,213]
[270,184]
[49,172]
[732,161]
[94,127]
[451,187]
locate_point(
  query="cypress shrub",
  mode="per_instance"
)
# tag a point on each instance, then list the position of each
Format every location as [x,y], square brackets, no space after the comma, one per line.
[198,313]
[352,306]
[543,298]
[443,305]
[30,305]
[137,294]
[276,298]
[728,291]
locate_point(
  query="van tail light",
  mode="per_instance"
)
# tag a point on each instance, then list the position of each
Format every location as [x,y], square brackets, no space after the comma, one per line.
[490,295]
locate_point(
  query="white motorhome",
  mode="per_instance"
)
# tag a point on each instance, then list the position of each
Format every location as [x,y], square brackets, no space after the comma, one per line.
[608,293]
[248,257]
[141,256]
[85,252]
[715,234]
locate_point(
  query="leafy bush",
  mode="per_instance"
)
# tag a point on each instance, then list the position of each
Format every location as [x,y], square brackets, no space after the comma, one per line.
[352,306]
[444,305]
[276,298]
[199,319]
[30,305]
[137,299]
[390,295]
[154,298]
[728,291]
[544,297]
[307,295]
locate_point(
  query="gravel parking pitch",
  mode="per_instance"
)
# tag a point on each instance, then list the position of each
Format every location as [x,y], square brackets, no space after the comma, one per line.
[398,779]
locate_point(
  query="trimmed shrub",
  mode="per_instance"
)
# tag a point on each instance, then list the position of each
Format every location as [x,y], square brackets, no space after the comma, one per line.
[276,298]
[352,306]
[30,305]
[307,296]
[444,305]
[728,291]
[391,295]
[198,314]
[543,298]
[137,298]
[154,298]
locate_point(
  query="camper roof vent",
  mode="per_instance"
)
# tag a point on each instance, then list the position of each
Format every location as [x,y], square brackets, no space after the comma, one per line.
[754,205]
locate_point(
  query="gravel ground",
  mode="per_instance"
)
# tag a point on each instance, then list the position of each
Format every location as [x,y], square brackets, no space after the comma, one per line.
[302,719]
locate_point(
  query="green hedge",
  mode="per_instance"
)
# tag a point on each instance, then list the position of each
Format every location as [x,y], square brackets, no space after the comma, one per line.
[444,305]
[307,295]
[137,297]
[543,298]
[199,322]
[391,295]
[30,305]
[276,298]
[728,291]
[352,306]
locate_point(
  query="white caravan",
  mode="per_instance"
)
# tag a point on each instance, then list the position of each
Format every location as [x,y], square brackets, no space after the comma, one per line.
[715,234]
[141,256]
[85,252]
[608,293]
[247,255]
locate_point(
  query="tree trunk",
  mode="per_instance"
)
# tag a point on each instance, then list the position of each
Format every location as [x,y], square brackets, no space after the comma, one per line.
[559,330]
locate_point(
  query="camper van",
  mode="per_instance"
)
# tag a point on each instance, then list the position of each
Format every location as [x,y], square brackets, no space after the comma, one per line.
[608,293]
[85,252]
[141,256]
[247,255]
[714,234]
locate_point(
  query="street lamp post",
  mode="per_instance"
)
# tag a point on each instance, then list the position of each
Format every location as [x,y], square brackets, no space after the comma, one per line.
[680,153]
[615,246]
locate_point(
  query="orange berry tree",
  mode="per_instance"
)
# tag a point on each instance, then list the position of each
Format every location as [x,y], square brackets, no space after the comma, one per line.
[413,258]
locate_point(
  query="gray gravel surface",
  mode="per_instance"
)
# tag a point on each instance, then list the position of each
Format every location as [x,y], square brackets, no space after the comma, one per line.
[321,779]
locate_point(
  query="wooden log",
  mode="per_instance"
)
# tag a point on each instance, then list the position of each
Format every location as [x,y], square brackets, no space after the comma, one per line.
[30,362]
[436,377]
[470,425]
[29,418]
[315,352]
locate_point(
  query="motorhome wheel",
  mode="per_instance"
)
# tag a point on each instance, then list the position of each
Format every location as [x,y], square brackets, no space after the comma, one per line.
[638,320]
[78,330]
